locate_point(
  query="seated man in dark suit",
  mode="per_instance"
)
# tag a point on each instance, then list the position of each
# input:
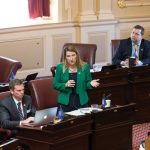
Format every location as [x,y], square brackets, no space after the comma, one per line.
[135,46]
[16,109]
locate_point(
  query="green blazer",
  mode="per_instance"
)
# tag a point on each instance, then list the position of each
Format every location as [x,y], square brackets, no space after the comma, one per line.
[83,83]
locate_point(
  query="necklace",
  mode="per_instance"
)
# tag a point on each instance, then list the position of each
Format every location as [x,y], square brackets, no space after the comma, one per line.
[72,70]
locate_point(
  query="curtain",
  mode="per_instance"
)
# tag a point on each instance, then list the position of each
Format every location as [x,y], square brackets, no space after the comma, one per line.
[39,8]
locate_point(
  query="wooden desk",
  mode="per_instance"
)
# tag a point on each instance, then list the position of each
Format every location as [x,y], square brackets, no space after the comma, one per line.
[139,81]
[113,82]
[72,134]
[112,128]
[125,85]
[109,129]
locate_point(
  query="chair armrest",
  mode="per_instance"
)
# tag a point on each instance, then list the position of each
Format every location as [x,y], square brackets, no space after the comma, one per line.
[53,70]
[5,134]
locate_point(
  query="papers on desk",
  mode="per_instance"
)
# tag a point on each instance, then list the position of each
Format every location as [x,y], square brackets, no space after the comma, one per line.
[91,70]
[75,113]
[82,111]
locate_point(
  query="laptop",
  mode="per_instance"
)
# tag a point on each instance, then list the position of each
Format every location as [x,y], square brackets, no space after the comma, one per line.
[43,117]
[31,76]
[109,68]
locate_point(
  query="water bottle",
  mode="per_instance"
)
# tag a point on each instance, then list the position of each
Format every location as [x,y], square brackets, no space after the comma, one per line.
[103,102]
[60,114]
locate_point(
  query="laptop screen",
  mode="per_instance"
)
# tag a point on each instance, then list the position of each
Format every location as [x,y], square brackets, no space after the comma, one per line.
[43,117]
[109,68]
[31,76]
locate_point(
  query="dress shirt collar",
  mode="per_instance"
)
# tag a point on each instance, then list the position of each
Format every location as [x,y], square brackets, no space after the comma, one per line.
[16,102]
[138,44]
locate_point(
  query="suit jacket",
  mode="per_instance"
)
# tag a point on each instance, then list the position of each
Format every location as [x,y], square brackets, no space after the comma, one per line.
[9,116]
[83,83]
[124,51]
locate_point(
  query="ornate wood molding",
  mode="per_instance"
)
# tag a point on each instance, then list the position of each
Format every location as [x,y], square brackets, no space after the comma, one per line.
[132,3]
[121,3]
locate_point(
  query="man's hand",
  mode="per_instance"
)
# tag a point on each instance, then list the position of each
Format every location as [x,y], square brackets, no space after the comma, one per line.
[126,62]
[28,120]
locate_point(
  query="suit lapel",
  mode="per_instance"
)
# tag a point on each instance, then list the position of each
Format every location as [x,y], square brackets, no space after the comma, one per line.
[141,50]
[129,47]
[24,108]
[14,107]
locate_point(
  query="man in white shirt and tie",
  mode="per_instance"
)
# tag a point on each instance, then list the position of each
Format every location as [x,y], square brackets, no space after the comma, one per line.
[135,46]
[12,114]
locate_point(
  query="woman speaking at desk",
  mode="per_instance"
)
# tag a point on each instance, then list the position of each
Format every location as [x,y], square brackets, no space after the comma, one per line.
[72,79]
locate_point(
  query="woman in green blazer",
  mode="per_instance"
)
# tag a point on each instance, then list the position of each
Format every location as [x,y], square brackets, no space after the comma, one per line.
[72,79]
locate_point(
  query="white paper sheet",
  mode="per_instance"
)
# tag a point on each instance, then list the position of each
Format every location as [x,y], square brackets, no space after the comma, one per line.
[82,111]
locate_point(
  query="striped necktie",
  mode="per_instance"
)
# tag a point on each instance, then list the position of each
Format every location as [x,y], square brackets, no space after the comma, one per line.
[136,54]
[20,111]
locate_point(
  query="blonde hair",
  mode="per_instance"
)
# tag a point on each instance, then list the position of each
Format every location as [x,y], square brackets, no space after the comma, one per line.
[79,63]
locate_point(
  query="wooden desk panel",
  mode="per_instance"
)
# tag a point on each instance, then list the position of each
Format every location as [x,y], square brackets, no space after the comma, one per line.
[118,95]
[71,134]
[126,85]
[139,81]
[112,78]
[139,74]
[113,82]
[141,95]
[112,128]
[109,129]
[113,138]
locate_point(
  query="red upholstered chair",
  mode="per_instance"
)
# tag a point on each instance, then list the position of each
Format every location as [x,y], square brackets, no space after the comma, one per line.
[53,69]
[4,133]
[114,44]
[87,53]
[43,94]
[3,94]
[8,66]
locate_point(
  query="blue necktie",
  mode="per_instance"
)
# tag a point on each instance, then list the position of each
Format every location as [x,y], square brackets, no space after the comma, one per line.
[20,111]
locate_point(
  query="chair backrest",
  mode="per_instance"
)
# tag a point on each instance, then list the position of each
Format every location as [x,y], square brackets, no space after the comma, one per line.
[53,69]
[3,94]
[4,133]
[87,53]
[114,44]
[42,92]
[8,66]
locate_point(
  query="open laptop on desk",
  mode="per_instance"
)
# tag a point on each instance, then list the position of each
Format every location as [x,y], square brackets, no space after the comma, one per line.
[43,117]
[31,77]
[109,68]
